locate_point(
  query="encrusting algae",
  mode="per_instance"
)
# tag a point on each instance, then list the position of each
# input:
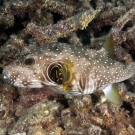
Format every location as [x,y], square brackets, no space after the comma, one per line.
[37,53]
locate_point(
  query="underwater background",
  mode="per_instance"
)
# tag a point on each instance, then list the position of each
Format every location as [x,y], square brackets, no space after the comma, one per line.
[88,23]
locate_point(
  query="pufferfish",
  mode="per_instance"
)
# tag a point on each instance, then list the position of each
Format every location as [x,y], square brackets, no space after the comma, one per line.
[70,69]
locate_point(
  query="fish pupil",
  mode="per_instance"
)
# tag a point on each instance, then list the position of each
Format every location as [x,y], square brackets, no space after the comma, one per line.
[29,61]
[55,74]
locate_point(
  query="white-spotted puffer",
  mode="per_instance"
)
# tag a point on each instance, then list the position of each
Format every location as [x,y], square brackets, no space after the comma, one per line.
[69,69]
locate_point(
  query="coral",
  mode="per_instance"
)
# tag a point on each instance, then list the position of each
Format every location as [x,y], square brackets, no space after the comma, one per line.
[46,114]
[7,95]
[94,130]
[83,116]
[49,34]
[13,45]
[58,131]
[38,131]
[120,36]
[85,23]
[27,98]
[59,7]
[6,20]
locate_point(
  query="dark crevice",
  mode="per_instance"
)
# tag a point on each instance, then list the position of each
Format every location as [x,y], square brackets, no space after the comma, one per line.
[56,17]
[17,26]
[128,107]
[84,36]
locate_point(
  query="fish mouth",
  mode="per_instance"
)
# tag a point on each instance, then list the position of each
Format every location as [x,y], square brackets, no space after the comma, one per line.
[5,76]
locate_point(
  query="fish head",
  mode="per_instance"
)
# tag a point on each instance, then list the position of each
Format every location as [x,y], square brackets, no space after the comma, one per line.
[25,71]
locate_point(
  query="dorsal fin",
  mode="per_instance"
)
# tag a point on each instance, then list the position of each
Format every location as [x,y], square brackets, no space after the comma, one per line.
[109,46]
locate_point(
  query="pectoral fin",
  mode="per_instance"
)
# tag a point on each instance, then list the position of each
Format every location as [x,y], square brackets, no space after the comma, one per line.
[112,94]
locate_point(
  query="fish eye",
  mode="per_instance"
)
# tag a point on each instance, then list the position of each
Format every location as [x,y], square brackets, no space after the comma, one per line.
[55,73]
[29,61]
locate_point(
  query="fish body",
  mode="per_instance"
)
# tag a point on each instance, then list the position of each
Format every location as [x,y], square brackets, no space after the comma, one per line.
[67,69]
